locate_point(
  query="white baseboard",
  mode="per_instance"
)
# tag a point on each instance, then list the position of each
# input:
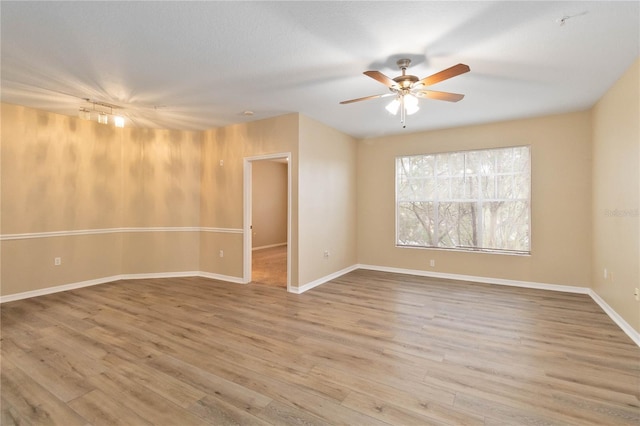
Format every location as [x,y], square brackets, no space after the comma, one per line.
[625,326]
[157,275]
[269,246]
[319,281]
[220,277]
[484,280]
[98,281]
[57,289]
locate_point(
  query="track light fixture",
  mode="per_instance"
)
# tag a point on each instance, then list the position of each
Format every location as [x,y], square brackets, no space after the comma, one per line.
[101,111]
[84,114]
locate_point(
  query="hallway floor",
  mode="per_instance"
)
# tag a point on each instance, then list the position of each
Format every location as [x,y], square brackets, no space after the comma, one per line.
[269,266]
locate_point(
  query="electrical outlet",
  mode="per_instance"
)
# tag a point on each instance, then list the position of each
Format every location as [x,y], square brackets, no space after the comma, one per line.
[221,253]
[326,254]
[636,293]
[432,263]
[57,261]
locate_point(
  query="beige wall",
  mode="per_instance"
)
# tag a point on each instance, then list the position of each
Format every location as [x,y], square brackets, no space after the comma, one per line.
[561,200]
[27,264]
[61,173]
[269,203]
[327,200]
[616,187]
[161,175]
[58,173]
[323,192]
[222,188]
[160,252]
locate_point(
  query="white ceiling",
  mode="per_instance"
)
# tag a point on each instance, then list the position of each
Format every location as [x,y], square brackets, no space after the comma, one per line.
[198,65]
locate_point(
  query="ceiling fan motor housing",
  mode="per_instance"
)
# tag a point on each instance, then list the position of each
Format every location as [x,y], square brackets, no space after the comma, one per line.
[405,81]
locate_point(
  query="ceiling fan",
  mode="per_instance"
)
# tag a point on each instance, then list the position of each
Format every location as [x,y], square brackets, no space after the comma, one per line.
[408,88]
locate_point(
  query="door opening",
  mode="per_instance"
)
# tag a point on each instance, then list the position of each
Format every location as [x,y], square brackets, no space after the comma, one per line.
[267,220]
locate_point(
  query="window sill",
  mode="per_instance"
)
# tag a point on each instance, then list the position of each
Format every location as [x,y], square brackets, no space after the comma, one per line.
[465,250]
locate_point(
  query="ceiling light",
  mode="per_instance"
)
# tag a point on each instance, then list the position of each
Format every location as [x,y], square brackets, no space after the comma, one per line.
[411,104]
[103,111]
[84,114]
[406,103]
[393,106]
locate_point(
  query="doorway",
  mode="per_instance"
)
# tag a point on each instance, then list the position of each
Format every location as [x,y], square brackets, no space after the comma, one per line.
[267,220]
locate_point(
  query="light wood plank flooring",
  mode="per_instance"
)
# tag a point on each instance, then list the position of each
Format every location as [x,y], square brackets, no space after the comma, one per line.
[369,348]
[269,266]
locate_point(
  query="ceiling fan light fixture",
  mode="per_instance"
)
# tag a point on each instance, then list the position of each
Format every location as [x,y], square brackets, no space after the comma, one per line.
[405,87]
[411,104]
[393,107]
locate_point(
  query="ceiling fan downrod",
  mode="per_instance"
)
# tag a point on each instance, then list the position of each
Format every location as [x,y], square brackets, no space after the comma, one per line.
[404,81]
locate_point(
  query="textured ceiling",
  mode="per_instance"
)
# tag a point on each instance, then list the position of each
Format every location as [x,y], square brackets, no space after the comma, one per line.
[198,65]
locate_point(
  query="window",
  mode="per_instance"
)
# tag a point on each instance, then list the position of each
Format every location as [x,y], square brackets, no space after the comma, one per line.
[471,200]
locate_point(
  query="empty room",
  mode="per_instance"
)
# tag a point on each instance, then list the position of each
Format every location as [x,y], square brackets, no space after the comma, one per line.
[320,213]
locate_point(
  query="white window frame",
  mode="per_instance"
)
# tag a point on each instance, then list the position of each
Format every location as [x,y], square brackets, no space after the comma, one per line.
[479,200]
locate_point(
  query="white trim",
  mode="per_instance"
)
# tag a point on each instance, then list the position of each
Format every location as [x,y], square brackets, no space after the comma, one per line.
[222,230]
[162,229]
[484,280]
[57,289]
[269,246]
[289,219]
[625,326]
[220,277]
[247,210]
[247,226]
[30,235]
[153,275]
[319,281]
[113,278]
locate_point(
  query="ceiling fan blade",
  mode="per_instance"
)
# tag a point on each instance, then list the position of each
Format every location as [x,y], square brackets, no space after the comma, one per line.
[444,75]
[441,96]
[377,75]
[366,98]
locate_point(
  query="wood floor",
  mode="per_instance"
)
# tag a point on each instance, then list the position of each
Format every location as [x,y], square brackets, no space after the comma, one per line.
[269,266]
[369,348]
